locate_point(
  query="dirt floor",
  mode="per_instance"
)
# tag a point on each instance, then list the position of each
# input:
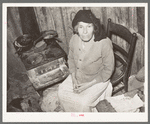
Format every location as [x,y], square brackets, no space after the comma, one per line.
[22,97]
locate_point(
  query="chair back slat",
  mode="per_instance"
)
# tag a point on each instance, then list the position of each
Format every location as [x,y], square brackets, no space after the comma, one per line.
[120,31]
[120,69]
[120,59]
[121,50]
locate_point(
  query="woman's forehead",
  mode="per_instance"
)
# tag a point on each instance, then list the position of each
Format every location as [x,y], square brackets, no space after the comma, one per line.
[84,23]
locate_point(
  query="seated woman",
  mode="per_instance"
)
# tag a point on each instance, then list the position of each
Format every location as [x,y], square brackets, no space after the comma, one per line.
[91,64]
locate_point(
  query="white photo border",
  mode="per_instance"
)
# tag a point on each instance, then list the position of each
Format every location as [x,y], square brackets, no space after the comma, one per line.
[67,117]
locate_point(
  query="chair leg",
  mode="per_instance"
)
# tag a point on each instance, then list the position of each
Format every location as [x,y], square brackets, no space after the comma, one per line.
[126,85]
[126,88]
[116,91]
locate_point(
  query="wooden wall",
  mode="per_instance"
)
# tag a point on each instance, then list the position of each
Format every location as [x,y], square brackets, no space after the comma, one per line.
[59,19]
[13,31]
[56,18]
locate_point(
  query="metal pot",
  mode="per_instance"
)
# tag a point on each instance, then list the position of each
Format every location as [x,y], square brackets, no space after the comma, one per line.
[23,43]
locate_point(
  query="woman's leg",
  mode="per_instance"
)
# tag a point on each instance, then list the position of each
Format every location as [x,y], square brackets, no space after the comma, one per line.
[68,99]
[107,93]
[94,94]
[73,102]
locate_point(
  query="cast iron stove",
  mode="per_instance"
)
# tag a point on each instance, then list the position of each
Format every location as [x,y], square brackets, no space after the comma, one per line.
[45,66]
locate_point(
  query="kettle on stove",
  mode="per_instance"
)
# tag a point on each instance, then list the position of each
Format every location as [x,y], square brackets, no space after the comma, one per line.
[46,35]
[25,42]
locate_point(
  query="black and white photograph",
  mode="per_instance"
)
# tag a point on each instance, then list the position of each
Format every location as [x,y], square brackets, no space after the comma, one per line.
[75,62]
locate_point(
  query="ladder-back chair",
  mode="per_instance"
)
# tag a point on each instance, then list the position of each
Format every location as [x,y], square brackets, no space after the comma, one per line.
[123,58]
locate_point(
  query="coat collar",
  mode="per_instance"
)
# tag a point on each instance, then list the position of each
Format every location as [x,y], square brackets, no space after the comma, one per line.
[88,45]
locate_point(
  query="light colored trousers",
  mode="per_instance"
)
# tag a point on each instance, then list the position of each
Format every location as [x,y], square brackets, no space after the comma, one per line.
[84,101]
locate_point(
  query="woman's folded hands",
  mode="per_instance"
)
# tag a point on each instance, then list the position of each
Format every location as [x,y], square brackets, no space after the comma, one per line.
[79,87]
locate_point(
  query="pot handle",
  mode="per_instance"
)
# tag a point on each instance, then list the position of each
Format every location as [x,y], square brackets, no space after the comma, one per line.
[51,33]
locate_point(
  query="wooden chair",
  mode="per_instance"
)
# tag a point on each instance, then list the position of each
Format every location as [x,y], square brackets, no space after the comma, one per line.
[123,58]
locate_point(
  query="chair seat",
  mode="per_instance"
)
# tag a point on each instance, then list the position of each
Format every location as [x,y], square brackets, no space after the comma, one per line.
[116,78]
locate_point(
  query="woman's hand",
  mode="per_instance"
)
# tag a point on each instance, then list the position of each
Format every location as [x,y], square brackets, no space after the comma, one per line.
[84,86]
[74,81]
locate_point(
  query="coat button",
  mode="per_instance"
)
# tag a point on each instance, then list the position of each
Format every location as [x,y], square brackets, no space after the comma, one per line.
[80,60]
[77,68]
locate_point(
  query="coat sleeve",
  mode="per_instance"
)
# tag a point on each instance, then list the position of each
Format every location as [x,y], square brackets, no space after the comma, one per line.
[71,62]
[107,60]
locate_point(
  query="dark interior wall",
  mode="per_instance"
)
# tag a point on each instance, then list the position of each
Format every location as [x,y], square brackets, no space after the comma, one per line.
[28,22]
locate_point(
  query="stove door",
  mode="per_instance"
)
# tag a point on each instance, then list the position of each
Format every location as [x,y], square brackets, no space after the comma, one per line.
[48,74]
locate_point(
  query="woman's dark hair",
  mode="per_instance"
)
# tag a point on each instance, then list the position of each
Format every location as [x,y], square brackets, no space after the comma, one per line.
[88,17]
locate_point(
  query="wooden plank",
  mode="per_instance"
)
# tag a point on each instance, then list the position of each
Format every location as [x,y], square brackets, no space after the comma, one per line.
[97,12]
[13,23]
[67,26]
[119,20]
[139,49]
[133,18]
[56,15]
[50,18]
[141,20]
[14,30]
[139,55]
[104,16]
[112,16]
[44,18]
[111,13]
[28,22]
[68,14]
[13,27]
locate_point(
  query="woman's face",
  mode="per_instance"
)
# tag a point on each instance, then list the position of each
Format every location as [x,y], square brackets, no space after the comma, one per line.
[85,31]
